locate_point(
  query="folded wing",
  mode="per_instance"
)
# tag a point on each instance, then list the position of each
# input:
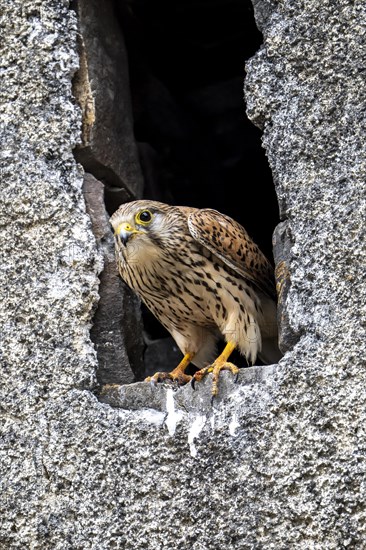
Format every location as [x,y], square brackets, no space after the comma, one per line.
[229,241]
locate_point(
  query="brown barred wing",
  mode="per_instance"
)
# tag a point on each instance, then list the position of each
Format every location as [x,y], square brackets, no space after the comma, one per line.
[229,241]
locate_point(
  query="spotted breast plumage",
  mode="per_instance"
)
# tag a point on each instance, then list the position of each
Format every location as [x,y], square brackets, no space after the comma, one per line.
[203,277]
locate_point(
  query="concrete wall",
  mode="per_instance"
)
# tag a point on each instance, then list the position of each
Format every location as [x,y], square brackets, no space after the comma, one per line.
[278,462]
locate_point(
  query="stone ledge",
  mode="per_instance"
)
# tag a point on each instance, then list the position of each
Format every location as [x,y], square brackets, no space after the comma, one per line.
[142,395]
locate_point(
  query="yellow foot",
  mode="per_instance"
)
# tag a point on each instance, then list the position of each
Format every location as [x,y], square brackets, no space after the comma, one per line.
[177,374]
[215,368]
[179,377]
[221,363]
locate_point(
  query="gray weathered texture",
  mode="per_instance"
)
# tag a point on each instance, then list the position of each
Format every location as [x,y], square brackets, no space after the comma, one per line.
[306,89]
[279,462]
[117,327]
[102,89]
[287,335]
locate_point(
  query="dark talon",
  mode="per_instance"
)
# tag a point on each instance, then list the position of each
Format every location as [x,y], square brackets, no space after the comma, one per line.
[212,400]
[236,378]
[193,382]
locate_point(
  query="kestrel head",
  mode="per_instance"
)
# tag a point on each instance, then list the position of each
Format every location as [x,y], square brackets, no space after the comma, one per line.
[143,228]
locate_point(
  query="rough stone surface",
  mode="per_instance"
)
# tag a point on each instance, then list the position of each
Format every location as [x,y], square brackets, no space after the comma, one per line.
[287,337]
[198,400]
[278,462]
[305,88]
[117,328]
[102,89]
[49,259]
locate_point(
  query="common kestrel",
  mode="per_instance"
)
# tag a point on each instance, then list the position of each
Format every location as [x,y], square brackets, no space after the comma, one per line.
[203,277]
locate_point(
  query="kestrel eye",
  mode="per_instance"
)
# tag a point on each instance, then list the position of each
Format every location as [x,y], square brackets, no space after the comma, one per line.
[144,217]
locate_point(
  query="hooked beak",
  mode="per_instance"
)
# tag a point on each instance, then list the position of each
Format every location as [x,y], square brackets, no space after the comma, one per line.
[125,231]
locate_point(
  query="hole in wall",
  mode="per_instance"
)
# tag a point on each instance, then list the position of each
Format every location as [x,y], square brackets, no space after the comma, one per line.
[196,146]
